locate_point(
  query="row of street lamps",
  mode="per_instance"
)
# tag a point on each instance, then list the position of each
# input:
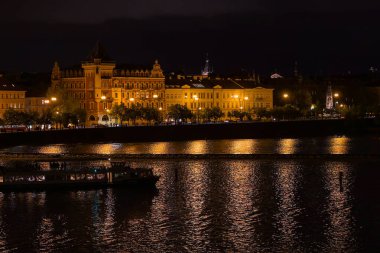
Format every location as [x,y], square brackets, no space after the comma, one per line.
[336,96]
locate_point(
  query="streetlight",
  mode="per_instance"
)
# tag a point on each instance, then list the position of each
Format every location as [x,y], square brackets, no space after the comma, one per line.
[285,95]
[53,99]
[195,105]
[312,107]
[160,114]
[108,119]
[199,112]
[132,100]
[336,95]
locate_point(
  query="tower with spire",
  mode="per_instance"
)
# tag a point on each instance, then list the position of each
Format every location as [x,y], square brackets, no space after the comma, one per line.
[329,98]
[206,70]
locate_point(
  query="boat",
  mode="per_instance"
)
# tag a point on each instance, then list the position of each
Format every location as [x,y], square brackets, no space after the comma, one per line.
[31,177]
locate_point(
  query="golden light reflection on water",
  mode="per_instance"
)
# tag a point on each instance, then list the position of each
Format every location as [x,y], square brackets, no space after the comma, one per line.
[197,147]
[45,233]
[107,225]
[286,191]
[240,204]
[339,145]
[52,149]
[196,185]
[106,149]
[287,146]
[159,148]
[242,146]
[339,205]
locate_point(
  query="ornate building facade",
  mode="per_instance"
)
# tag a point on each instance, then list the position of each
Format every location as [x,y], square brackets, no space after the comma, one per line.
[228,94]
[99,83]
[10,97]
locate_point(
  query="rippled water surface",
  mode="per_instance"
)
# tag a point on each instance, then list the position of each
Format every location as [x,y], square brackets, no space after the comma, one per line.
[208,205]
[327,145]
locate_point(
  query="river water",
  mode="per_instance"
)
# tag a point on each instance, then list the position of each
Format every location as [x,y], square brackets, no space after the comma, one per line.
[288,205]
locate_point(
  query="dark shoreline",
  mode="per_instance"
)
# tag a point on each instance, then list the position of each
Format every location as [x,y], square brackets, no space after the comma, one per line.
[249,130]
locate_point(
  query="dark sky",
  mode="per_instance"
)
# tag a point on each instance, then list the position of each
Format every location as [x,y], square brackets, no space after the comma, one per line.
[323,36]
[91,11]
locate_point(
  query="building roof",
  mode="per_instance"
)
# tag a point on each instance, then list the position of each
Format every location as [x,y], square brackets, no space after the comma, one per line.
[99,52]
[5,84]
[210,83]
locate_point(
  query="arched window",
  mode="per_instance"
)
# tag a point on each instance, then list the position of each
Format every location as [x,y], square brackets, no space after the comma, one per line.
[105,118]
[92,118]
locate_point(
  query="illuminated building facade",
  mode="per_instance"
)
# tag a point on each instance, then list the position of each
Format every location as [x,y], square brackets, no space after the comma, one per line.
[10,97]
[227,94]
[37,104]
[99,83]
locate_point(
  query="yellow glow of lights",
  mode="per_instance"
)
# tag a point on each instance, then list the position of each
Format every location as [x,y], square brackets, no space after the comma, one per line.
[47,101]
[131,99]
[53,99]
[336,95]
[236,96]
[245,98]
[103,97]
[286,95]
[155,96]
[160,108]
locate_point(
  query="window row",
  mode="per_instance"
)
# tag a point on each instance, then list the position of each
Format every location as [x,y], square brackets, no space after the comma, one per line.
[12,95]
[12,105]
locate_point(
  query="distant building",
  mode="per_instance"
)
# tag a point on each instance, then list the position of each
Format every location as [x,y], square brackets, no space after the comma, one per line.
[10,96]
[227,94]
[206,70]
[98,84]
[37,104]
[329,98]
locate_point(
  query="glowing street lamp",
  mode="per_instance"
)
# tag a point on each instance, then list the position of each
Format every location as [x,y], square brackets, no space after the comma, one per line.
[336,95]
[103,97]
[53,99]
[285,95]
[155,96]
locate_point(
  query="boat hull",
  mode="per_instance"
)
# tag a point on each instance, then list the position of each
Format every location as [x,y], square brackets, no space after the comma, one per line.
[146,183]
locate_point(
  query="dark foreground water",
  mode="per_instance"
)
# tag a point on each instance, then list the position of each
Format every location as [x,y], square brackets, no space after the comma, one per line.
[210,206]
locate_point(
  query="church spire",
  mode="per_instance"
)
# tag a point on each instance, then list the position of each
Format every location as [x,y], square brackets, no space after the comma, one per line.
[56,72]
[329,98]
[98,53]
[206,70]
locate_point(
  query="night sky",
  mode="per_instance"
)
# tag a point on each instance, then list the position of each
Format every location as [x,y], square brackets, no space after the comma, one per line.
[324,37]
